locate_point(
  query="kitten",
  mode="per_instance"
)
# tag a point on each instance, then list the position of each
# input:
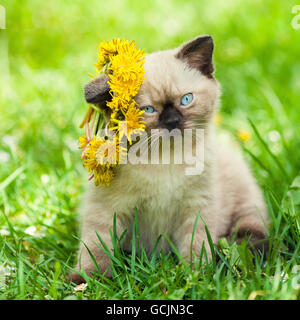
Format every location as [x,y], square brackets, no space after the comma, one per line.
[168,200]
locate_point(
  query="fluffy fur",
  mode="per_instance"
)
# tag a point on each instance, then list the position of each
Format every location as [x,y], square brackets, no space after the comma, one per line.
[166,199]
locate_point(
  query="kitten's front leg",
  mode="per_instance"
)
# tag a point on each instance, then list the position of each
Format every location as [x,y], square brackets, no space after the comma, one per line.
[184,234]
[95,220]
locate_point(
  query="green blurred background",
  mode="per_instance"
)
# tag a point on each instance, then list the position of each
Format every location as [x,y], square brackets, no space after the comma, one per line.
[46,52]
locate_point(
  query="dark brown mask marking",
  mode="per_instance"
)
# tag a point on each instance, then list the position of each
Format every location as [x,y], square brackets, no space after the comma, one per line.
[170,118]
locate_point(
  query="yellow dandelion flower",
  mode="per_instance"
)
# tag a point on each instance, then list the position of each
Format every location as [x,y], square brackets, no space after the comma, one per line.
[244,135]
[116,115]
[89,160]
[128,66]
[110,152]
[113,104]
[125,90]
[116,104]
[112,47]
[107,152]
[106,50]
[104,175]
[126,70]
[82,142]
[127,76]
[132,124]
[124,64]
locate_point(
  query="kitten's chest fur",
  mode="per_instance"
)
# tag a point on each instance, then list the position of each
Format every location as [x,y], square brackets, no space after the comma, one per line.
[159,194]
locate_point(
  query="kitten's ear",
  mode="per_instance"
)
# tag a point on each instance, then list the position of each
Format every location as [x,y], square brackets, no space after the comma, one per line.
[97,91]
[198,54]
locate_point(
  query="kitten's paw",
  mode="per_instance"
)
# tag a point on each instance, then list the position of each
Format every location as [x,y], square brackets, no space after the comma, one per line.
[75,278]
[194,260]
[259,242]
[257,239]
[90,270]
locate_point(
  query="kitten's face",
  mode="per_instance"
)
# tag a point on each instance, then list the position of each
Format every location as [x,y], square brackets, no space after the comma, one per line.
[174,95]
[179,90]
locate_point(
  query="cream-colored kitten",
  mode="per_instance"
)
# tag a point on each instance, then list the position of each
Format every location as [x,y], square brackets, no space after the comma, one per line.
[168,200]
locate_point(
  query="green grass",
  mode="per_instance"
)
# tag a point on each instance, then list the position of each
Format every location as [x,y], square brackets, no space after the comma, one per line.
[46,52]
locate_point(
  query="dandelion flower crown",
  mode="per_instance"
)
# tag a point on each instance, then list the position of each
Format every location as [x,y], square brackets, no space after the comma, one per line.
[124,65]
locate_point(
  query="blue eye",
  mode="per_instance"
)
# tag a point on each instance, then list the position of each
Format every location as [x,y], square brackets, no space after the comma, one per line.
[148,109]
[187,99]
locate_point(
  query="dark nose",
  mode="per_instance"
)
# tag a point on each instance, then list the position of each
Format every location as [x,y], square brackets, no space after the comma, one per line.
[172,123]
[170,118]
